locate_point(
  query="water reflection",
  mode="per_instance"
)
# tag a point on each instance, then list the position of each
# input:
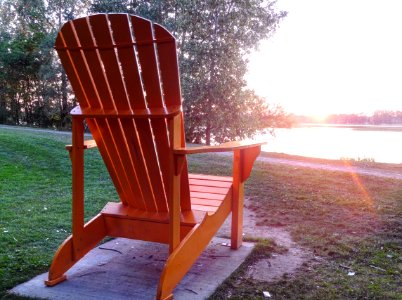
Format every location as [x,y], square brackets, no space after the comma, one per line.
[338,142]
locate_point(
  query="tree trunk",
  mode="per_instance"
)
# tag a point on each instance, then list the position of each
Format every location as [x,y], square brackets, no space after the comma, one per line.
[64,104]
[208,134]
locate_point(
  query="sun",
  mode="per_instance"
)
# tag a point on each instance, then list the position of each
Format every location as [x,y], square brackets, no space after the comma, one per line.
[319,117]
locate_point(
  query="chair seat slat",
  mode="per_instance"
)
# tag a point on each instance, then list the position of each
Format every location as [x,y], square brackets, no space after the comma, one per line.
[209,189]
[205,208]
[206,195]
[211,183]
[206,202]
[210,177]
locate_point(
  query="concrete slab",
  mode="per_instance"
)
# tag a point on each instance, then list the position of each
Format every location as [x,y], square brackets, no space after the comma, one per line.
[129,269]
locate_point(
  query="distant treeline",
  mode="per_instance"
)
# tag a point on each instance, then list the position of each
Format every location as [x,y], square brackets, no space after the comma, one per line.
[378,118]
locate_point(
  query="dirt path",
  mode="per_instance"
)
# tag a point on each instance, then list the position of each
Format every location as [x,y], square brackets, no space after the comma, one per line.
[273,268]
[322,166]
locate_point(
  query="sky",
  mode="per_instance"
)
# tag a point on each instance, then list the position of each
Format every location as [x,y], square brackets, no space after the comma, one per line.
[332,56]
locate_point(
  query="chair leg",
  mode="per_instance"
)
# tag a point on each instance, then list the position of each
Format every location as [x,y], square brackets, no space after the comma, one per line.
[237,216]
[238,199]
[243,161]
[77,166]
[65,257]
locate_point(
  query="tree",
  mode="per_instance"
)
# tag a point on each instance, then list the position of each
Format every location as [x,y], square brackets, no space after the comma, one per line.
[213,39]
[20,57]
[59,12]
[33,87]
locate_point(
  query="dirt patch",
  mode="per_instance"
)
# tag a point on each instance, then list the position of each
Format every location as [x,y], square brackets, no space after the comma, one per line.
[273,268]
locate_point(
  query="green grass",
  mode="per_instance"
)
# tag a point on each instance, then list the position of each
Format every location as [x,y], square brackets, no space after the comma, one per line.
[351,223]
[35,200]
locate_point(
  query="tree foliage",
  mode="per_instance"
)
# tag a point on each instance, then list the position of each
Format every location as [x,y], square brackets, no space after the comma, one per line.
[33,87]
[213,40]
[213,37]
[379,117]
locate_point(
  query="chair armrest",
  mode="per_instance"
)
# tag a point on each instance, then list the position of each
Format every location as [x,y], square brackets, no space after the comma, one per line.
[245,154]
[87,145]
[225,147]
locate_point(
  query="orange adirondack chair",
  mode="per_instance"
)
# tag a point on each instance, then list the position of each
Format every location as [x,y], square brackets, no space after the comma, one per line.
[124,72]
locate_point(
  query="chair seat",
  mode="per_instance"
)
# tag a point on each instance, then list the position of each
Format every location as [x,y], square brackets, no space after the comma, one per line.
[207,192]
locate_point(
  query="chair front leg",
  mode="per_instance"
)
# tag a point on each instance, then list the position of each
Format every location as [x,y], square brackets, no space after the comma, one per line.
[237,201]
[77,160]
[243,161]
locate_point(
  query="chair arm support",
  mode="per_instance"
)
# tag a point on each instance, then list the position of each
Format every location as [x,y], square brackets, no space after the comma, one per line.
[87,145]
[225,147]
[244,160]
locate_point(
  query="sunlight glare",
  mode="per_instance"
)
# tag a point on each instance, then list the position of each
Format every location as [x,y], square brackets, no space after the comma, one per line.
[367,200]
[332,57]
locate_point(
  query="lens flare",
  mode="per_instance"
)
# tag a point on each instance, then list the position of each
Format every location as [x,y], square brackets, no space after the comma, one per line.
[367,200]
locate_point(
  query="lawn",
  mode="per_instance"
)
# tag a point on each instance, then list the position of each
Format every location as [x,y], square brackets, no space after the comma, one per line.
[351,223]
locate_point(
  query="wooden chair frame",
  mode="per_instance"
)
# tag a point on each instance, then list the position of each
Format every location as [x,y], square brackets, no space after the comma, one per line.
[186,228]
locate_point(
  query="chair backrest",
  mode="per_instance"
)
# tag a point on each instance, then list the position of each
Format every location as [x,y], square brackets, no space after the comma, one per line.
[116,64]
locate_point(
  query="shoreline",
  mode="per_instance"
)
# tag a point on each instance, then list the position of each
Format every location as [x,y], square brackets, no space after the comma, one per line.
[362,127]
[394,170]
[384,170]
[360,163]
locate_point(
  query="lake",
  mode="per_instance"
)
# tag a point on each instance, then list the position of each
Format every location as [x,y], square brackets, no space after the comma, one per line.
[381,143]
